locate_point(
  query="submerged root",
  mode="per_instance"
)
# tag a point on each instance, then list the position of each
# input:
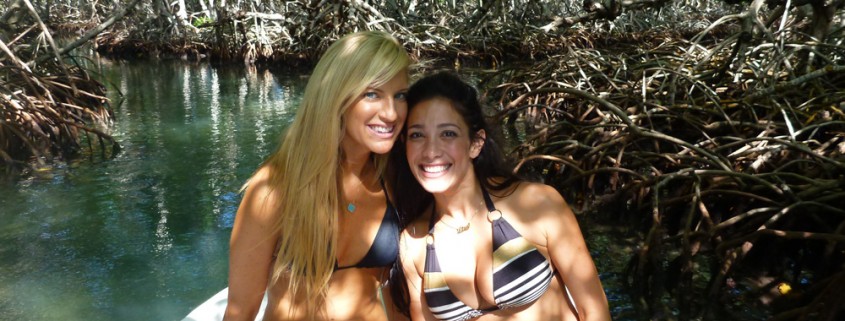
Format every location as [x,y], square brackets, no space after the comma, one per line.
[48,109]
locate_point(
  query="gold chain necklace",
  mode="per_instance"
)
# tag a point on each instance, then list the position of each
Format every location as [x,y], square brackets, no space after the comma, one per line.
[462,228]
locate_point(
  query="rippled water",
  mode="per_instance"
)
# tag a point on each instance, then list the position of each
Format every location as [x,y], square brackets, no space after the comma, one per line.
[143,236]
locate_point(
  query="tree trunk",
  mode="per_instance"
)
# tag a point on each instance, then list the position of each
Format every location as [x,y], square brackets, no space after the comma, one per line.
[93,32]
[94,14]
[182,15]
[12,15]
[822,18]
[206,9]
[47,5]
[164,19]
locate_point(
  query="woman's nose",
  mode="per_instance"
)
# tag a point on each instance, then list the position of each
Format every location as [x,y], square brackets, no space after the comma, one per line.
[431,148]
[388,110]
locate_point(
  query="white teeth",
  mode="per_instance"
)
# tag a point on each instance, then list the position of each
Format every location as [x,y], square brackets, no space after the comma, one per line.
[382,129]
[435,169]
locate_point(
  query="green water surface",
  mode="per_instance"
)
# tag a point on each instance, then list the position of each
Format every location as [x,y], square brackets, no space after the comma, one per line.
[143,236]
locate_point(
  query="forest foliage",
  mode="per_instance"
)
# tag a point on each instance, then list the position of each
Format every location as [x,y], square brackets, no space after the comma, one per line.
[715,128]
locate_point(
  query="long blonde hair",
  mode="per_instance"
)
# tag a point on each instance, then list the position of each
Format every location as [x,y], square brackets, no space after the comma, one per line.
[306,165]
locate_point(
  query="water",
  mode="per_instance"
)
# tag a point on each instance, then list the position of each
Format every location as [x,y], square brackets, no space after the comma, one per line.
[143,236]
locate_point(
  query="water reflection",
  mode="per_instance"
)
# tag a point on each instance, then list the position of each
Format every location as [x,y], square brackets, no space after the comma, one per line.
[143,236]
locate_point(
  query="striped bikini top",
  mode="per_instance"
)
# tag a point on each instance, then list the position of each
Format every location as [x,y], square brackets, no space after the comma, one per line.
[520,273]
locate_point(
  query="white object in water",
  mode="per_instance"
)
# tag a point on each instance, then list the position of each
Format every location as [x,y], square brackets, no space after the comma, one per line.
[214,308]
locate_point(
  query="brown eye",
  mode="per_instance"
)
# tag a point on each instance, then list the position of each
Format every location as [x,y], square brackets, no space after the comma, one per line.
[449,133]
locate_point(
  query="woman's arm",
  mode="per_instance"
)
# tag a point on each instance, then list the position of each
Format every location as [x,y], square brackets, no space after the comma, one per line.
[570,256]
[393,313]
[251,249]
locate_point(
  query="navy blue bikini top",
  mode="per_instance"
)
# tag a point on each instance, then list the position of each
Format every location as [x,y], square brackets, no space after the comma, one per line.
[385,247]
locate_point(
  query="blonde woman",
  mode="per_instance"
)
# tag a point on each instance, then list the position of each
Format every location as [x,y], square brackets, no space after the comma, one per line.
[316,229]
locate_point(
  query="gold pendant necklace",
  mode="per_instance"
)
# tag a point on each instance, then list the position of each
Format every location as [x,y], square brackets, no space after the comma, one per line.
[462,228]
[459,229]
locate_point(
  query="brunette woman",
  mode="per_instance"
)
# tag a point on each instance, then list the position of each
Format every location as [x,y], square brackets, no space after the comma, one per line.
[483,245]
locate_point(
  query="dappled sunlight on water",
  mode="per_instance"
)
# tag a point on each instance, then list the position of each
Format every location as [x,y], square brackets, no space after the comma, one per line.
[142,236]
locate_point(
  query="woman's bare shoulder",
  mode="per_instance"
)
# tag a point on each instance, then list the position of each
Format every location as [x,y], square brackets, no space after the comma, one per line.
[533,197]
[261,176]
[412,246]
[418,228]
[413,236]
[260,197]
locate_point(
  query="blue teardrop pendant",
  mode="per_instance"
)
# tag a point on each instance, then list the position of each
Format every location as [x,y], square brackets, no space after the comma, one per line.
[350,207]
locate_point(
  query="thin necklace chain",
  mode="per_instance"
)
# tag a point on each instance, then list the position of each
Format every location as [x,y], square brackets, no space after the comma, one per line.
[350,204]
[462,228]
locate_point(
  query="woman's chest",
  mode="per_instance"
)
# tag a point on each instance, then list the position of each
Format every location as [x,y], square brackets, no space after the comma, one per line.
[466,263]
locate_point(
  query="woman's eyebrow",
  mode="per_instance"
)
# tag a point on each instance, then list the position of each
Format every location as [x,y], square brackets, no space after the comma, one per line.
[438,125]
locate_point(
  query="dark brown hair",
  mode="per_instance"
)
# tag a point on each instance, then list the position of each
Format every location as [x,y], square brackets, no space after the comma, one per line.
[490,167]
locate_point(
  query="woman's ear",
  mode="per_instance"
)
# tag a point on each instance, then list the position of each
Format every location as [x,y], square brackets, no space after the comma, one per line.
[477,143]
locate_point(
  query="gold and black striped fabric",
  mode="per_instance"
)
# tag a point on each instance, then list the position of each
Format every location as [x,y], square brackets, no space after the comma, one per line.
[520,273]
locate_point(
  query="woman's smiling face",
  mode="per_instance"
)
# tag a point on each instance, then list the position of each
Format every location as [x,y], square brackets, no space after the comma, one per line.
[374,120]
[439,146]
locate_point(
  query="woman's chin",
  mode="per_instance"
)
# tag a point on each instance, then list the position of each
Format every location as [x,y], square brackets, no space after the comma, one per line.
[435,187]
[381,148]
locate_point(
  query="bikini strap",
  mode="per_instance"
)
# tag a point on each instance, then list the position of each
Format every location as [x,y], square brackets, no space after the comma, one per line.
[383,188]
[431,221]
[487,200]
[390,204]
